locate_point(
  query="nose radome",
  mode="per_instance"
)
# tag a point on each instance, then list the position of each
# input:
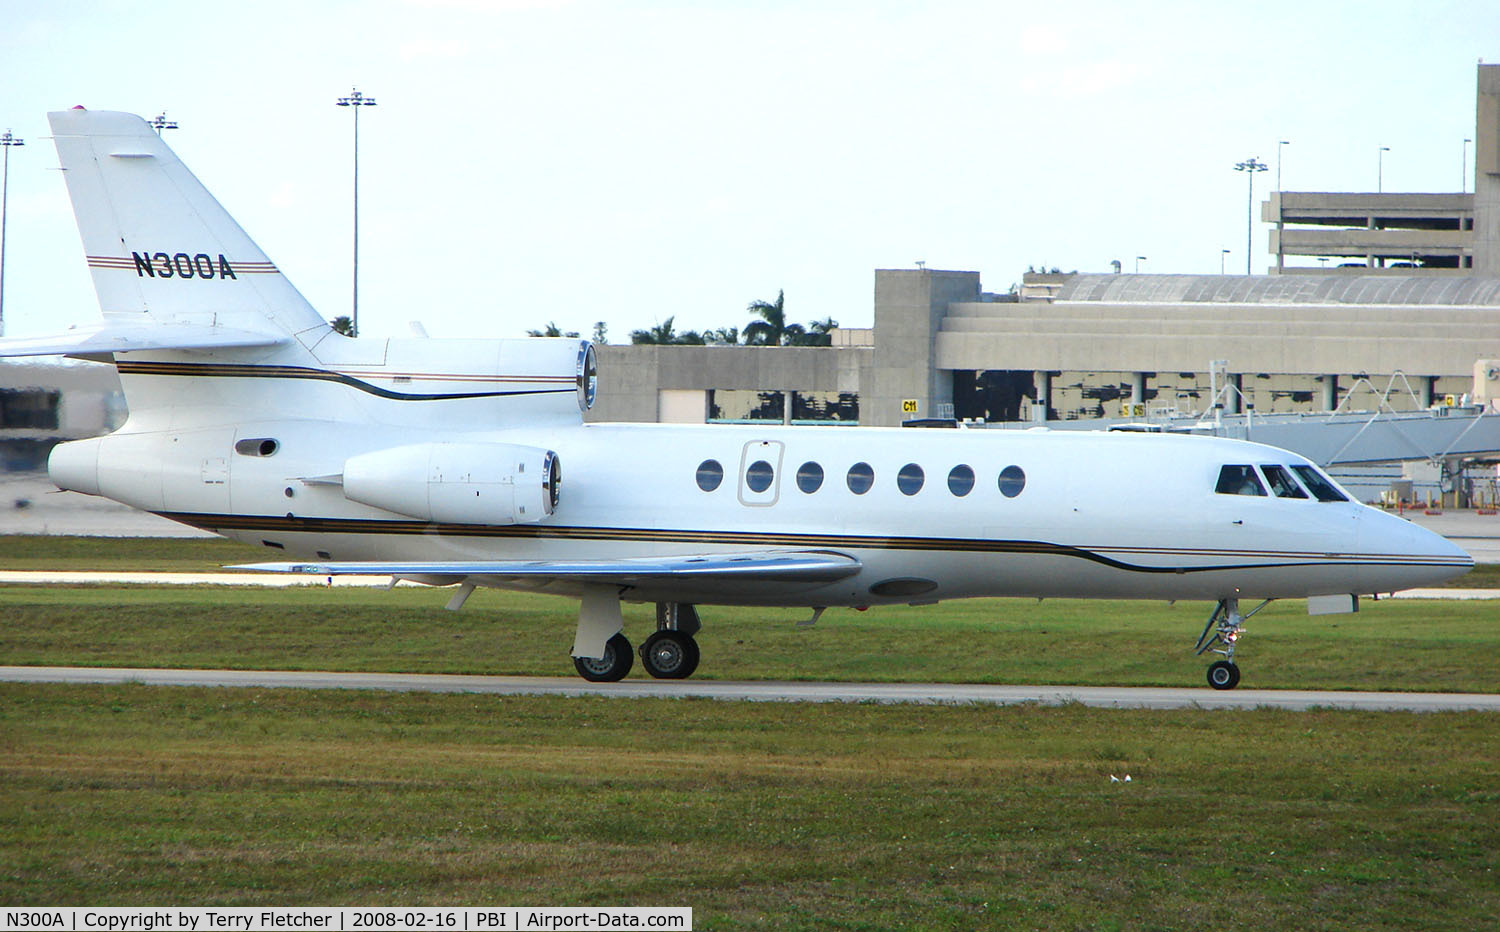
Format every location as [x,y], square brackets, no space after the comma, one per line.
[1386,533]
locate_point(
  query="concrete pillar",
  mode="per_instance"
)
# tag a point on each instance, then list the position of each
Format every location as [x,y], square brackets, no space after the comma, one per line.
[1424,390]
[1330,395]
[910,305]
[1043,382]
[1137,388]
[786,407]
[1486,238]
[1232,393]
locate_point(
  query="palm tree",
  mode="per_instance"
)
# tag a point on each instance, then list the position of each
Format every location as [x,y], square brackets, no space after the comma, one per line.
[820,332]
[551,330]
[663,335]
[771,329]
[343,325]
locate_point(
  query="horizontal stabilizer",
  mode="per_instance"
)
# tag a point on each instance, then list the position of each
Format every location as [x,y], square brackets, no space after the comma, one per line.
[118,337]
[767,566]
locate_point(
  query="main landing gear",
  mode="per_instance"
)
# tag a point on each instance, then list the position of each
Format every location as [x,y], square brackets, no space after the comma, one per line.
[1224,628]
[670,653]
[610,668]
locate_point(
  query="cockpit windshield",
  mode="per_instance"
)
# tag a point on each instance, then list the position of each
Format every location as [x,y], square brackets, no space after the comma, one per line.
[1318,485]
[1239,480]
[1244,479]
[1281,482]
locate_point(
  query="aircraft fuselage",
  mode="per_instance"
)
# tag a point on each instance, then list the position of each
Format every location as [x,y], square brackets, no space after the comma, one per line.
[929,514]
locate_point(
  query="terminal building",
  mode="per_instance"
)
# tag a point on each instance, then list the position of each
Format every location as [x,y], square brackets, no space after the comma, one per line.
[1086,346]
[1402,314]
[1439,233]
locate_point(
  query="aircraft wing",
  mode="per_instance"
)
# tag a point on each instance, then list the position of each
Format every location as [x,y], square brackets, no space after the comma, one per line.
[693,571]
[113,337]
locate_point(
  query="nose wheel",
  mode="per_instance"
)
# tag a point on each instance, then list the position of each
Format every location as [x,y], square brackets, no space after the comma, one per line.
[1223,674]
[1223,630]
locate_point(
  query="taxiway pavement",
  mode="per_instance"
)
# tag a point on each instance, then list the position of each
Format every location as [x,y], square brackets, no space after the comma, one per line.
[1114,697]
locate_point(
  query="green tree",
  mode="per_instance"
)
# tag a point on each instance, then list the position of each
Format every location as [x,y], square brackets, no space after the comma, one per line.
[551,330]
[771,329]
[820,332]
[663,335]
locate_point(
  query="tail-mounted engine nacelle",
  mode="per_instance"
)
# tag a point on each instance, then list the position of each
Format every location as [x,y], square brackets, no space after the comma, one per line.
[457,483]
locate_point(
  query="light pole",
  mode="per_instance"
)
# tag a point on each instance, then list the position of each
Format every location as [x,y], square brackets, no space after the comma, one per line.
[161,122]
[1250,166]
[1138,263]
[1380,168]
[1463,170]
[7,142]
[356,100]
[1223,254]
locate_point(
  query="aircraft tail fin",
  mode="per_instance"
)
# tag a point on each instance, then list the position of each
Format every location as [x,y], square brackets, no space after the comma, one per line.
[160,248]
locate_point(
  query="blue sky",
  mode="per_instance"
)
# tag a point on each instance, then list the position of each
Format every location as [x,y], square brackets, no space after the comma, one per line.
[567,160]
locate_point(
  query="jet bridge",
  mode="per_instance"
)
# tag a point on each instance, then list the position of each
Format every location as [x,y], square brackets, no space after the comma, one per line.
[1352,445]
[1381,437]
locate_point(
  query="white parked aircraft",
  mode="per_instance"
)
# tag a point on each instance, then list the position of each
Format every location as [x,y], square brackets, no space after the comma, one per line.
[467,462]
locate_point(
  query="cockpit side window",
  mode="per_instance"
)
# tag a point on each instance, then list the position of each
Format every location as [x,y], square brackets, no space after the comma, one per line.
[1318,485]
[1239,480]
[1281,482]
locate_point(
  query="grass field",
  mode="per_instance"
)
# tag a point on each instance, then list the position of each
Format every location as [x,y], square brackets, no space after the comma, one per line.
[1397,645]
[760,816]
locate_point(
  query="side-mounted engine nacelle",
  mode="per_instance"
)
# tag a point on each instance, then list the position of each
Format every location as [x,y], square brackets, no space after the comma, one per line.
[457,483]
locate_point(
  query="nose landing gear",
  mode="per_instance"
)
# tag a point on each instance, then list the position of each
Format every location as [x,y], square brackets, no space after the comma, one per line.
[1223,630]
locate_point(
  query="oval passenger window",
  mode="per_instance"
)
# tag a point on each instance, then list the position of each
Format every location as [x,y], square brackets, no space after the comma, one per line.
[810,477]
[1012,481]
[860,478]
[909,479]
[710,474]
[758,477]
[961,481]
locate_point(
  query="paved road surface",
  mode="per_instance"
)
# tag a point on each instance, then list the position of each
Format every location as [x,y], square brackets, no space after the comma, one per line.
[921,693]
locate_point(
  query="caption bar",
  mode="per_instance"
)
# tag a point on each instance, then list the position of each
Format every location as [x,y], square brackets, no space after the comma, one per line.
[348,919]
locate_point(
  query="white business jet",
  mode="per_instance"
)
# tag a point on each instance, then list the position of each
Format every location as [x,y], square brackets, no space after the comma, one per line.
[467,462]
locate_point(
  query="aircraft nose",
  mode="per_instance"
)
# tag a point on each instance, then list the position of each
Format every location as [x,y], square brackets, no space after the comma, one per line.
[1434,558]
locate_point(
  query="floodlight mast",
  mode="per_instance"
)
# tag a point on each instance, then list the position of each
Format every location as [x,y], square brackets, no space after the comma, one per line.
[1250,166]
[356,100]
[7,142]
